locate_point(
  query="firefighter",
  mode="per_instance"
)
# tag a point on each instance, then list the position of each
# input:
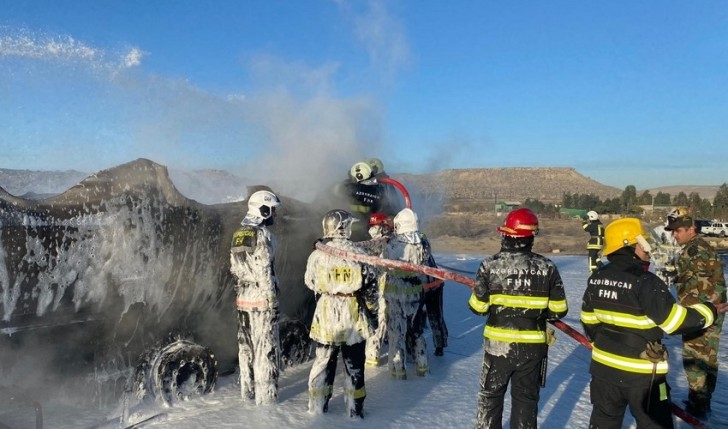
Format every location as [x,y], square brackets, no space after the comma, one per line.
[252,263]
[345,291]
[403,293]
[381,229]
[626,310]
[519,291]
[595,228]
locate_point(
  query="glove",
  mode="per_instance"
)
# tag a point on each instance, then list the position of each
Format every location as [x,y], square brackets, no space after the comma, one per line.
[550,337]
[654,352]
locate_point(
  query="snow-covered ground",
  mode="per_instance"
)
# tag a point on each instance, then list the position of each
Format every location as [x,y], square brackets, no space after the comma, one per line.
[444,399]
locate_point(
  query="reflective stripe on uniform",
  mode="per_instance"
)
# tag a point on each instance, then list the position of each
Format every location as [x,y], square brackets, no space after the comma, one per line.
[675,319]
[478,305]
[518,301]
[321,392]
[356,393]
[639,366]
[705,312]
[589,318]
[514,335]
[625,320]
[558,306]
[391,289]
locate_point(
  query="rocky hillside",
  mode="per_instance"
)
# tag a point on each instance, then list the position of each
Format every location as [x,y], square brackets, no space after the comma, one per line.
[465,189]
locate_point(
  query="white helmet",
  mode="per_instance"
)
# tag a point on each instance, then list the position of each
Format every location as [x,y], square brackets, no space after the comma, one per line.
[376,165]
[360,171]
[406,221]
[592,215]
[261,204]
[337,224]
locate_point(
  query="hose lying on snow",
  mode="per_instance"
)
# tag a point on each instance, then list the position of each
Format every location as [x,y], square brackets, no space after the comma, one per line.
[470,283]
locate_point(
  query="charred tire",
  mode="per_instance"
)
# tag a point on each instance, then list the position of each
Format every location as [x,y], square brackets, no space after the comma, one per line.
[295,343]
[180,370]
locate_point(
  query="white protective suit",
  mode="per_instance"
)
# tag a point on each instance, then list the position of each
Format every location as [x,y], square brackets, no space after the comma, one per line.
[341,323]
[251,262]
[374,344]
[403,293]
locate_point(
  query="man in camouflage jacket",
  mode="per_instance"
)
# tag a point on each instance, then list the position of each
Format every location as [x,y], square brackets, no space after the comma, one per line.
[699,278]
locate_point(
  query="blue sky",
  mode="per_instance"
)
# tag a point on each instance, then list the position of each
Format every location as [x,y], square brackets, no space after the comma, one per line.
[627,93]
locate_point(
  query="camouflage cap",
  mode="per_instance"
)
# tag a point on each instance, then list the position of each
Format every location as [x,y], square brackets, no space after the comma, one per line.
[679,217]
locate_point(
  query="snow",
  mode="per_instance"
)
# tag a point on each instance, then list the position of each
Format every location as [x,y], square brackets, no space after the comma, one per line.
[446,398]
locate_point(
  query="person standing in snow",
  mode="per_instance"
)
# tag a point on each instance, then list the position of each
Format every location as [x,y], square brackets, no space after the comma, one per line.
[699,278]
[381,228]
[626,310]
[431,308]
[519,291]
[345,291]
[403,293]
[252,263]
[595,228]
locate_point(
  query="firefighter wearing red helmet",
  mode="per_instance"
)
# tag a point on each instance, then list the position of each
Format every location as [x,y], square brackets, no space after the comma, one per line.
[520,291]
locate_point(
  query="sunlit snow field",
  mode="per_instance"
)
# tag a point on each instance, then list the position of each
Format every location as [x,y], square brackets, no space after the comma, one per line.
[444,399]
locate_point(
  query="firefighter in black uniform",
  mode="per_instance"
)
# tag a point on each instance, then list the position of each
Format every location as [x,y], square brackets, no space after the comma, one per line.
[519,291]
[625,312]
[595,228]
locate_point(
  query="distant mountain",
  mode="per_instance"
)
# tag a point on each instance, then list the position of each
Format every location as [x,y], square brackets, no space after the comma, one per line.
[32,184]
[472,189]
[454,189]
[204,186]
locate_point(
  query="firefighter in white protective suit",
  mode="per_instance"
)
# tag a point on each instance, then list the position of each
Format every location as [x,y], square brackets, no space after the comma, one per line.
[251,262]
[345,298]
[403,293]
[381,228]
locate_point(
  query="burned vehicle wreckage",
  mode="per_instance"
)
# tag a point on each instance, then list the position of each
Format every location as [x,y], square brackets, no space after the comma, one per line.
[123,283]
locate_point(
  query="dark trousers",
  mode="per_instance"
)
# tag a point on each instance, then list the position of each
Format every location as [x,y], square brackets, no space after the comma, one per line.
[323,372]
[649,406]
[521,367]
[435,316]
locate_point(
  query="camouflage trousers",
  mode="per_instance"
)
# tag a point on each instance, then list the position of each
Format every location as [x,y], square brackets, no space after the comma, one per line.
[700,360]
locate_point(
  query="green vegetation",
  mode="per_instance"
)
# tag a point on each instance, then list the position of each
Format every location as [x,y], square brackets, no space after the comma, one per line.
[632,204]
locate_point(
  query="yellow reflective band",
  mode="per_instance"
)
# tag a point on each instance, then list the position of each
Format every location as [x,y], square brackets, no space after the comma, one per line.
[589,318]
[514,335]
[624,319]
[402,290]
[478,305]
[639,366]
[321,392]
[558,306]
[675,319]
[520,301]
[360,208]
[705,312]
[357,393]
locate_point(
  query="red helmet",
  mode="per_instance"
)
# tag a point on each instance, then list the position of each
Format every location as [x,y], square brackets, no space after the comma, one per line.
[520,223]
[381,219]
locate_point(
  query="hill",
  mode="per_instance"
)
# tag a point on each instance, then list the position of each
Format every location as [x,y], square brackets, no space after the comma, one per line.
[474,189]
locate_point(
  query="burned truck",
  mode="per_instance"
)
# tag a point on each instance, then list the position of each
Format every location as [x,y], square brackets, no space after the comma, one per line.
[123,278]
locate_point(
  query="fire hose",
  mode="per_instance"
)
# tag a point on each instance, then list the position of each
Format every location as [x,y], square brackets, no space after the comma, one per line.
[444,274]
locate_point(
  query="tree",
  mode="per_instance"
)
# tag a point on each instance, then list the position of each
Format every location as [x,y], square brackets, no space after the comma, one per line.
[720,202]
[680,199]
[662,199]
[645,198]
[629,197]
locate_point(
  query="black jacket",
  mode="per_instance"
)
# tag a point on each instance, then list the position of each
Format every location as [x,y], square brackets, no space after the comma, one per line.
[624,307]
[519,290]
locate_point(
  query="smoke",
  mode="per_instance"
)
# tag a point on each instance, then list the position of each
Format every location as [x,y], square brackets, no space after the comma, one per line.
[290,128]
